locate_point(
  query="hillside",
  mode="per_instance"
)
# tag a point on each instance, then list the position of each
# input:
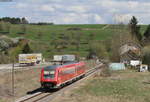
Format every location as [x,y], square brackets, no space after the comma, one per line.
[49,32]
[74,39]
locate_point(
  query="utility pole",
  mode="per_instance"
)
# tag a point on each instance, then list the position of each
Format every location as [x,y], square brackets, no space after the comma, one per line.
[13,92]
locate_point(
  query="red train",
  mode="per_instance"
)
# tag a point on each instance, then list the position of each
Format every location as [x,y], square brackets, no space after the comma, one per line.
[57,76]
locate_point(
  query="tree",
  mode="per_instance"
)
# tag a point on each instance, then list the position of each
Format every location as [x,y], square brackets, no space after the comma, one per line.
[15,20]
[60,44]
[92,54]
[24,21]
[12,20]
[98,49]
[147,32]
[26,49]
[134,28]
[146,55]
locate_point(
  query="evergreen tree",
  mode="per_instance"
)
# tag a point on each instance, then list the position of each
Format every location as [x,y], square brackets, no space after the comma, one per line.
[135,29]
[26,49]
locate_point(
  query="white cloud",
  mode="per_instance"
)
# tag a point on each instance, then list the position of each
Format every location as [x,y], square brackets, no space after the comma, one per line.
[83,11]
[47,8]
[78,9]
[21,5]
[98,19]
[71,18]
[122,18]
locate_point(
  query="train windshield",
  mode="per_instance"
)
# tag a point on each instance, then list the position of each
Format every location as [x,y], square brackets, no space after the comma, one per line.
[49,73]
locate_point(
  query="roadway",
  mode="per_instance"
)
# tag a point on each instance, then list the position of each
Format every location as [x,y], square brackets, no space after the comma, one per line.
[8,67]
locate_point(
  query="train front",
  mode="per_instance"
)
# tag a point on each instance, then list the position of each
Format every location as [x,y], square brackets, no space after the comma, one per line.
[49,77]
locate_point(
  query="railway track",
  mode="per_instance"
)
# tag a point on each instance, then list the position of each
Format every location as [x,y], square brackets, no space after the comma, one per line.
[36,97]
[47,96]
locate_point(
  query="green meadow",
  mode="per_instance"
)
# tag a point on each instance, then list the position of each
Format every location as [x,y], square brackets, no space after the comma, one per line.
[41,37]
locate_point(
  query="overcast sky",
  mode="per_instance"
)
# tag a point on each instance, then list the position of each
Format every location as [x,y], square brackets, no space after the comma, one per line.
[78,11]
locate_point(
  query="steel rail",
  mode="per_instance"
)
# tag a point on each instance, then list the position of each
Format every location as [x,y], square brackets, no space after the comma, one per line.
[30,97]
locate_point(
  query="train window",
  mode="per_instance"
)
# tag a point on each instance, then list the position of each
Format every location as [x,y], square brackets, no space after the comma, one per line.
[68,71]
[80,68]
[49,73]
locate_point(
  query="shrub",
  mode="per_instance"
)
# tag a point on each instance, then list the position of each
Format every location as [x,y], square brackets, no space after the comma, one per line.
[146,55]
[26,49]
[98,49]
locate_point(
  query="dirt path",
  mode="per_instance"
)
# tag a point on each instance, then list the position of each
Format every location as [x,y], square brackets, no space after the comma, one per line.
[103,28]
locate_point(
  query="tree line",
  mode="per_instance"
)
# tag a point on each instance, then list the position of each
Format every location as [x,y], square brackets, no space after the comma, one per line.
[14,20]
[42,23]
[22,20]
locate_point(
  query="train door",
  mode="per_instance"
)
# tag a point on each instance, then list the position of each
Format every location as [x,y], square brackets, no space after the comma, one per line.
[59,78]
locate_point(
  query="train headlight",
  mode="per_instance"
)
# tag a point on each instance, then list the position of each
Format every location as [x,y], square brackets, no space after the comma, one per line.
[49,72]
[52,72]
[46,72]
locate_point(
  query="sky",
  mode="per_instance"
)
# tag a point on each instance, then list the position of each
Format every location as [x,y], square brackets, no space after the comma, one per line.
[77,11]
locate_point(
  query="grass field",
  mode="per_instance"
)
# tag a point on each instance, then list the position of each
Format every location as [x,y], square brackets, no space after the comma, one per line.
[50,33]
[121,86]
[42,36]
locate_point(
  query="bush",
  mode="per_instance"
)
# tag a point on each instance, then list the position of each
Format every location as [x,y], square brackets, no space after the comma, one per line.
[105,71]
[98,49]
[3,45]
[26,49]
[146,55]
